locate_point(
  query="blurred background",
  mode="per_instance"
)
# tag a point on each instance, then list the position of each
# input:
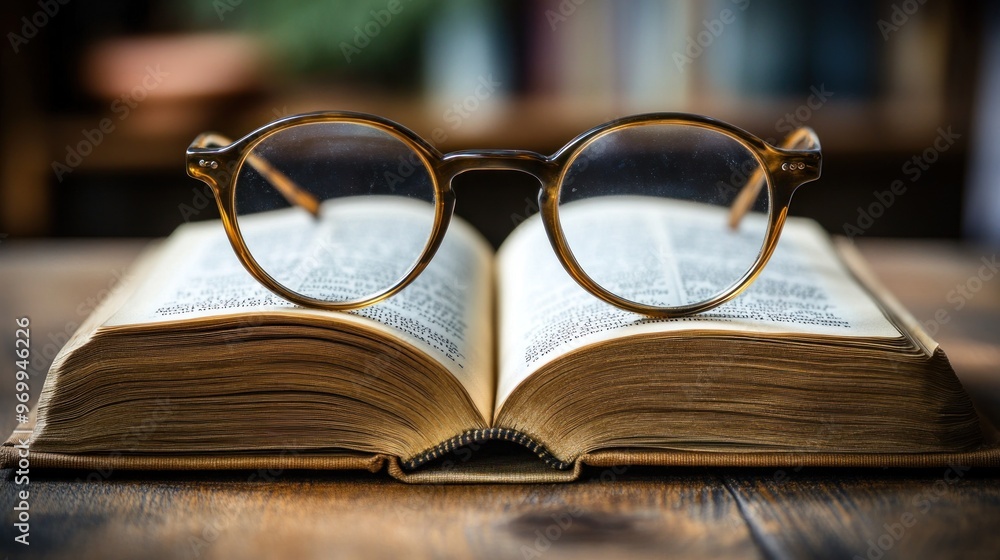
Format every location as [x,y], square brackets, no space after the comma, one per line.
[100,100]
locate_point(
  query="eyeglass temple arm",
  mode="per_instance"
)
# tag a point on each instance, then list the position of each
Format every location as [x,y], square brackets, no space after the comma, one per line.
[802,137]
[293,193]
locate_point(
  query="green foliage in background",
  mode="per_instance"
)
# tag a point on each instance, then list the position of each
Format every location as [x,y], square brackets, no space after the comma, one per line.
[318,36]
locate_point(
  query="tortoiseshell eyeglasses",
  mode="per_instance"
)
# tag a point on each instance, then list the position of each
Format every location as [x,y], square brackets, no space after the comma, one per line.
[664,214]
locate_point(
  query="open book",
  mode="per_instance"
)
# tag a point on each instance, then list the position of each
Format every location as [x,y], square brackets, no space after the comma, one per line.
[192,364]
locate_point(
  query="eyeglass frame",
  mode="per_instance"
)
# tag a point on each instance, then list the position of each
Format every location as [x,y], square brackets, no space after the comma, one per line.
[216,161]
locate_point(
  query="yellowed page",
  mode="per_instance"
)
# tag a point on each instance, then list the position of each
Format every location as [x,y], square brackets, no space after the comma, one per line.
[543,313]
[904,319]
[446,311]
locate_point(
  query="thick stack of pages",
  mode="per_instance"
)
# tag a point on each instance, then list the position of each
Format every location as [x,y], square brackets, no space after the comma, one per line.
[193,365]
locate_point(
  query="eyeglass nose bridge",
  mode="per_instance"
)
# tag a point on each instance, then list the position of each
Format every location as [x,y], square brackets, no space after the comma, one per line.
[541,167]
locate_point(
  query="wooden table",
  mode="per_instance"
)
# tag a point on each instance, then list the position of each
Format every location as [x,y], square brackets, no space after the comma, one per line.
[638,513]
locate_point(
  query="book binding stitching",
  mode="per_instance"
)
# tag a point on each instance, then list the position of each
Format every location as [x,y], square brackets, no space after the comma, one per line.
[481,436]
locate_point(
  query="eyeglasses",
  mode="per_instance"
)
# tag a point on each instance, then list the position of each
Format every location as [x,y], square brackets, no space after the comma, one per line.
[663,214]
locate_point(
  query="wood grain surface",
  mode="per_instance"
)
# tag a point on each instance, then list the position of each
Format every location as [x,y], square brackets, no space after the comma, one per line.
[611,513]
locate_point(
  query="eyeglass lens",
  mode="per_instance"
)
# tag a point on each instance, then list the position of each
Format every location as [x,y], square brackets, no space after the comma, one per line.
[362,186]
[660,197]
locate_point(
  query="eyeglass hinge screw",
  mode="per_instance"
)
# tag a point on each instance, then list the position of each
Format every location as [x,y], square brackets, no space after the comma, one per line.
[208,163]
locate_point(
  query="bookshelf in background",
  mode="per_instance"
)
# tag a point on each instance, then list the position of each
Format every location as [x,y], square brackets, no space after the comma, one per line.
[876,97]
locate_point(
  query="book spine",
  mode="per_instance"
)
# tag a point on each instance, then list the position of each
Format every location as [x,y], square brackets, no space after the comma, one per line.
[482,436]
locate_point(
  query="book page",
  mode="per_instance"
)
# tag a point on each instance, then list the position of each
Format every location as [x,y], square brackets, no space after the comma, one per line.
[446,311]
[543,313]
